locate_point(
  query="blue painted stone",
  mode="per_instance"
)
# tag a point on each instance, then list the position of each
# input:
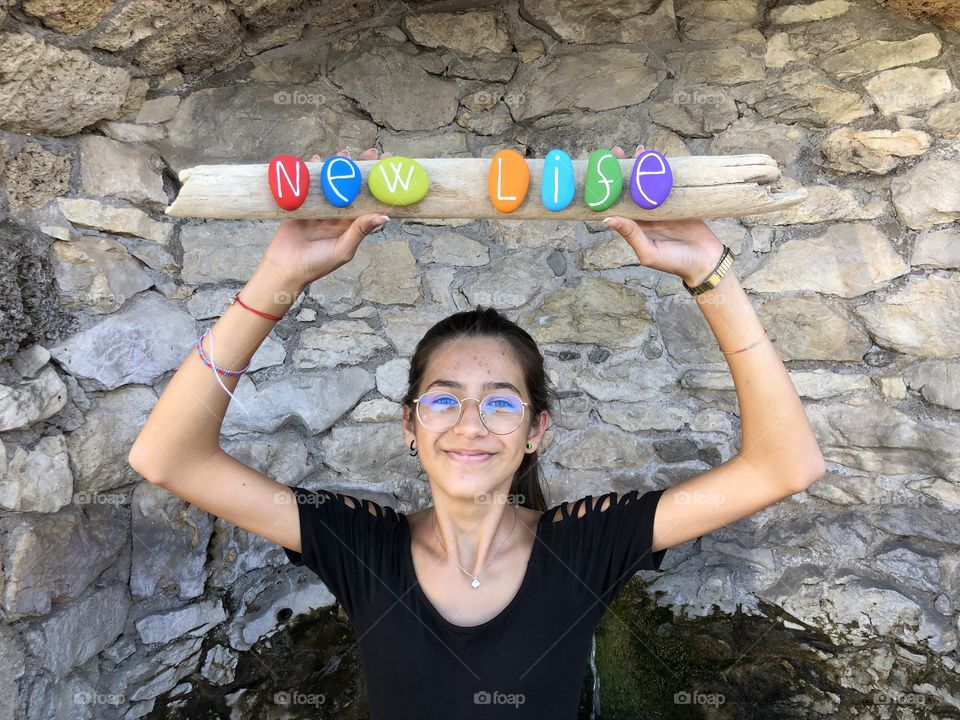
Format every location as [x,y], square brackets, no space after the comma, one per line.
[340,180]
[651,180]
[557,188]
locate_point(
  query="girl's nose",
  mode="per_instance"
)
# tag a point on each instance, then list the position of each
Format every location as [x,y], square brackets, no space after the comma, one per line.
[470,415]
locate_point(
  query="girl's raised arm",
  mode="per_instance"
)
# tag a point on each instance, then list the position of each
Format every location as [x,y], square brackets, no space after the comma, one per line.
[178,447]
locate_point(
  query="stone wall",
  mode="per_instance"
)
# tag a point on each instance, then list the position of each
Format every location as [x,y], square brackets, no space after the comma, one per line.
[118,598]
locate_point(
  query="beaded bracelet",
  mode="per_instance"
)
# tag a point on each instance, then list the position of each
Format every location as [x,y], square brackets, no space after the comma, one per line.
[221,371]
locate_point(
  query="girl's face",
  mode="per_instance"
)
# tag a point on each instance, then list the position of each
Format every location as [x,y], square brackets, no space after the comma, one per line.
[471,368]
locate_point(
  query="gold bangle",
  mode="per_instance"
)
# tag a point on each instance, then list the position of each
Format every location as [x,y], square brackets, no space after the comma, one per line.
[755,342]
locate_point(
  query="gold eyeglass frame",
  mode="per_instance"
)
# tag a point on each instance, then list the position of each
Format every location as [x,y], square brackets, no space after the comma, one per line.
[461,401]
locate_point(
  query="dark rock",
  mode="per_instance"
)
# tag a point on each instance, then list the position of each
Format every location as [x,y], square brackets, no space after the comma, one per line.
[28,292]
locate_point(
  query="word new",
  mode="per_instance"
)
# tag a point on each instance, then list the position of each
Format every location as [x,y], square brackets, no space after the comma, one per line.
[400,180]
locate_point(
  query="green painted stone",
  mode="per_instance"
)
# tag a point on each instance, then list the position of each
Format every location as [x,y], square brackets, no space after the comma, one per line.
[398,180]
[604,181]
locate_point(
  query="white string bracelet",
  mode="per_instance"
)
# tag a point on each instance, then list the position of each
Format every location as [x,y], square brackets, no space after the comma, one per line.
[219,371]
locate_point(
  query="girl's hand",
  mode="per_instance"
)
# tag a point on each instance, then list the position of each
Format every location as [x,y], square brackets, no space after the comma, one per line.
[686,248]
[305,250]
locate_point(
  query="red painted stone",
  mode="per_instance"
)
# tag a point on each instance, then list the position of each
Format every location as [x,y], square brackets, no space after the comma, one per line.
[289,181]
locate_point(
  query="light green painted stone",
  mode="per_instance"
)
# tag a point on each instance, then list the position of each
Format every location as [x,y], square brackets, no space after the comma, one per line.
[604,182]
[398,180]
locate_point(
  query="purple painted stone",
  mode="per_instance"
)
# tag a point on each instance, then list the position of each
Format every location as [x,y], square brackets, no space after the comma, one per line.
[651,180]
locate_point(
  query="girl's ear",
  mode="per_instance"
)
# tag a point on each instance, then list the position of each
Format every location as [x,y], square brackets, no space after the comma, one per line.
[537,431]
[407,418]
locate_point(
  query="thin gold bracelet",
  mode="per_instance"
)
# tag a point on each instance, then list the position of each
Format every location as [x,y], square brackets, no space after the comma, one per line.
[755,342]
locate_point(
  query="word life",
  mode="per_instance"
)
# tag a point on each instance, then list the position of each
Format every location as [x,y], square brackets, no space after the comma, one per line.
[399,180]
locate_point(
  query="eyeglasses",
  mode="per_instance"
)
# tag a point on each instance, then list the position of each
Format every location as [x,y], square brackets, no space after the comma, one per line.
[501,413]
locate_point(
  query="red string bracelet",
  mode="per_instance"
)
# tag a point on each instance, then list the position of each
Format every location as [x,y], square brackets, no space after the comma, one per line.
[261,314]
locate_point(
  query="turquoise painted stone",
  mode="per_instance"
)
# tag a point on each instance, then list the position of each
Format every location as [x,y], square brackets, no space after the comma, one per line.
[340,180]
[604,182]
[398,180]
[557,188]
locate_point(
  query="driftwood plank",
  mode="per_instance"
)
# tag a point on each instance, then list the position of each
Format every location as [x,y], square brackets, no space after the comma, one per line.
[705,186]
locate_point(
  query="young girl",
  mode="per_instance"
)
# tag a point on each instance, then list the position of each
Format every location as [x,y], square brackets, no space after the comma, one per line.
[482,605]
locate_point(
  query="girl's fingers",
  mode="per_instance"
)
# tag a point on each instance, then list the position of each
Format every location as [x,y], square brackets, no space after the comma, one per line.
[631,232]
[360,228]
[639,150]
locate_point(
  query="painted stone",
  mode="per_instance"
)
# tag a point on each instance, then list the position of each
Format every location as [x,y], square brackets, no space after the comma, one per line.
[651,180]
[508,180]
[604,182]
[340,180]
[289,181]
[398,180]
[558,185]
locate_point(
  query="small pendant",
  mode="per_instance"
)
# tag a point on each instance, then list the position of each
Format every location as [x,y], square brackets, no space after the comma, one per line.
[476,583]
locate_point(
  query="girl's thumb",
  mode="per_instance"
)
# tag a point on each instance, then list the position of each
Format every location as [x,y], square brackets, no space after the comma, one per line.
[362,226]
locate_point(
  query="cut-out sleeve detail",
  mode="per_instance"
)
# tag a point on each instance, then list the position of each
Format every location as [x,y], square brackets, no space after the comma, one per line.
[609,539]
[340,542]
[383,512]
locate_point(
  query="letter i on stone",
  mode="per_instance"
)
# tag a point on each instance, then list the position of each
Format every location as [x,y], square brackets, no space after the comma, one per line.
[651,180]
[557,189]
[508,180]
[604,183]
[289,181]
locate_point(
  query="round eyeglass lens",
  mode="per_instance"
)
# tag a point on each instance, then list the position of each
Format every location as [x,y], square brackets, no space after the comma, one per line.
[438,410]
[500,413]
